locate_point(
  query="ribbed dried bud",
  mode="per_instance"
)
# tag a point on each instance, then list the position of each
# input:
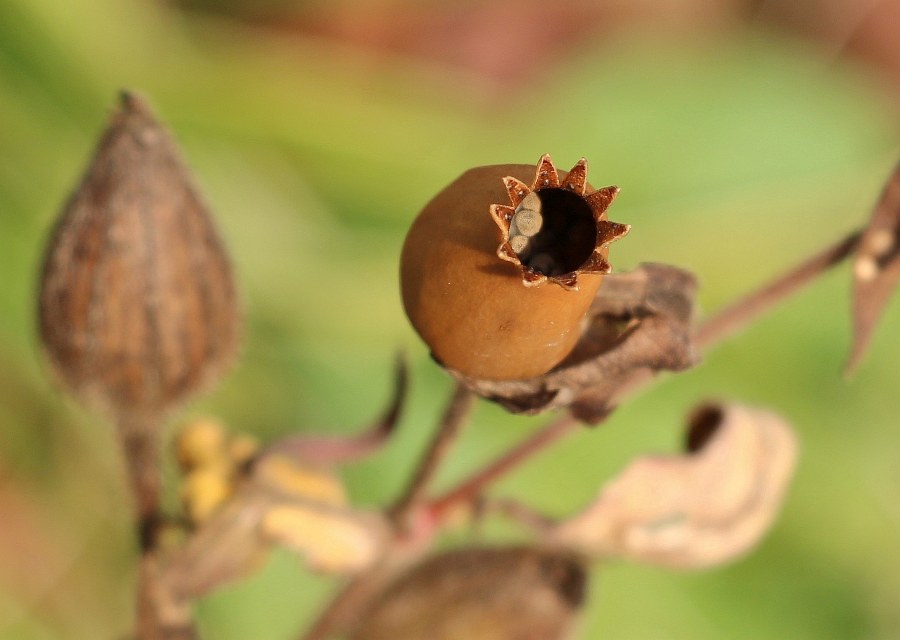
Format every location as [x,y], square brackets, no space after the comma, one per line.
[497,276]
[489,594]
[137,301]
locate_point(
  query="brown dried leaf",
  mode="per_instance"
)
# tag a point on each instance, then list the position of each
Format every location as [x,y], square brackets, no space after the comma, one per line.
[137,302]
[640,322]
[876,269]
[488,593]
[703,508]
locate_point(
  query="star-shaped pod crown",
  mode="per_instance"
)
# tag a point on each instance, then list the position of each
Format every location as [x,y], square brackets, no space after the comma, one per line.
[555,230]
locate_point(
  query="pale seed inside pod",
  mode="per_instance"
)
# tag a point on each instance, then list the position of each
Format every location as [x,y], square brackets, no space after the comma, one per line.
[528,220]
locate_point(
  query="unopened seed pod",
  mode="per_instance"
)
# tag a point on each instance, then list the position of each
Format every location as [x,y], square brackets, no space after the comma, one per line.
[497,276]
[488,594]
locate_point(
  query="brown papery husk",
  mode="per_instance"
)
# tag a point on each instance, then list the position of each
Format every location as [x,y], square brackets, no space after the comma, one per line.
[472,308]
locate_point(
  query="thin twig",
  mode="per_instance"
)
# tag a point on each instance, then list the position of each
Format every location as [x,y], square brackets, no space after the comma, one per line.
[741,313]
[470,488]
[160,616]
[517,511]
[141,452]
[448,431]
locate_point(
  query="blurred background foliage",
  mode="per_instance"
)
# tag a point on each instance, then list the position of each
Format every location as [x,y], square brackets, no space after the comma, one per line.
[744,135]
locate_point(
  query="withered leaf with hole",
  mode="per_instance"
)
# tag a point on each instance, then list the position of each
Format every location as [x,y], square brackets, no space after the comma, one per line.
[702,508]
[640,322]
[137,302]
[484,593]
[876,268]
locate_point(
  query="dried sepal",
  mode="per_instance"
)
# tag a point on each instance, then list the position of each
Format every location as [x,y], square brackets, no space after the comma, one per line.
[484,593]
[556,256]
[705,507]
[639,322]
[137,300]
[876,268]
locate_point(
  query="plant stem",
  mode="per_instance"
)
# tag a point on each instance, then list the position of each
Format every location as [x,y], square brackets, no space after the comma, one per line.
[470,488]
[449,428]
[741,313]
[139,437]
[159,615]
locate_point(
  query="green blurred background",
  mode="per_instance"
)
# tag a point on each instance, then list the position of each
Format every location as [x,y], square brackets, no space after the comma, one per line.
[744,136]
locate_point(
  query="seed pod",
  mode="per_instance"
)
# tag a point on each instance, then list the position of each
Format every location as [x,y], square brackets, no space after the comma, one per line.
[489,594]
[137,301]
[498,291]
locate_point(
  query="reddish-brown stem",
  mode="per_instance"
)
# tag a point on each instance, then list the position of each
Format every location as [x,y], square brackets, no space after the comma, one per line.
[159,615]
[475,484]
[517,511]
[741,313]
[448,430]
[139,437]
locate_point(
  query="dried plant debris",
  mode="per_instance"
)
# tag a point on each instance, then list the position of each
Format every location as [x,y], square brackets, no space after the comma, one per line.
[242,502]
[876,268]
[702,508]
[639,322]
[279,501]
[137,302]
[486,593]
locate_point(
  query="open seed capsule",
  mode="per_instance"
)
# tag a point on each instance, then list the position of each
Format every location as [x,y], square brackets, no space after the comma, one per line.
[497,276]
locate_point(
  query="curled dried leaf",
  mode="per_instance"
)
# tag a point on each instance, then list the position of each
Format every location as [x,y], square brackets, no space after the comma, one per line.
[703,508]
[484,593]
[639,322]
[137,303]
[876,268]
